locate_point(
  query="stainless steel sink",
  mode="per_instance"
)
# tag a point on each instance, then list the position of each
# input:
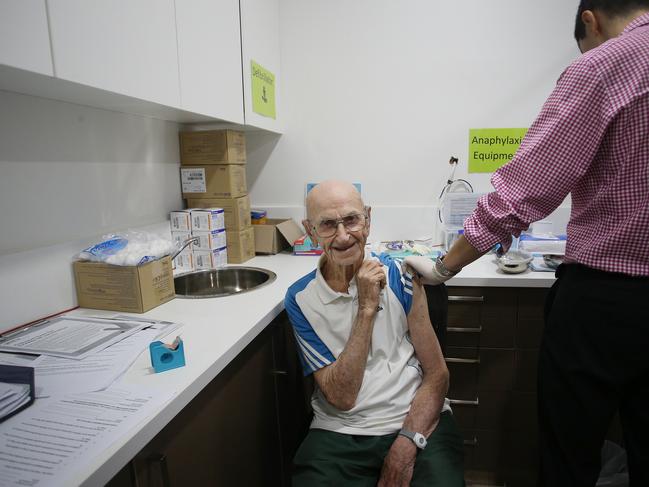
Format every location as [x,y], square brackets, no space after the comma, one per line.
[221,282]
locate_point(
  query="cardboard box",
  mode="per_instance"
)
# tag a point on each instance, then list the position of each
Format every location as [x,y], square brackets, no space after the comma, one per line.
[207,219]
[215,181]
[179,238]
[276,235]
[184,262]
[134,289]
[210,259]
[216,239]
[236,210]
[241,245]
[212,147]
[180,221]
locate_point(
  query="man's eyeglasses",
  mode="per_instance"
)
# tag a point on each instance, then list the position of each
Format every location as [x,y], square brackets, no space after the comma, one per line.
[352,223]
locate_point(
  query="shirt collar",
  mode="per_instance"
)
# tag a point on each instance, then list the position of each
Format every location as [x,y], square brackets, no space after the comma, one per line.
[328,295]
[642,20]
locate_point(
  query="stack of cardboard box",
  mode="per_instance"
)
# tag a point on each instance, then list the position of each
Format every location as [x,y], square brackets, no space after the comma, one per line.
[209,251]
[213,175]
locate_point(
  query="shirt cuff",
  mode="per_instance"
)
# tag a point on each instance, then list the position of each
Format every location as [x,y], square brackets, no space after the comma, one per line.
[479,233]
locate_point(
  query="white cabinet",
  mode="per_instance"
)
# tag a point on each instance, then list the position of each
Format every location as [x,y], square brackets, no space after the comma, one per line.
[122,46]
[24,36]
[181,60]
[260,43]
[209,57]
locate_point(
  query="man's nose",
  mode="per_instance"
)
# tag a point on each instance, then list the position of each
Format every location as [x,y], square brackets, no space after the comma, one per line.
[341,230]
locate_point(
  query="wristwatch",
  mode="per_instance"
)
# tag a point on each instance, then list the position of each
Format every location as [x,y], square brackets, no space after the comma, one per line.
[441,268]
[417,438]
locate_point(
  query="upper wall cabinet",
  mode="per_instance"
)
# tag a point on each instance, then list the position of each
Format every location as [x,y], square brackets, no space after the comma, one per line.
[122,46]
[180,60]
[260,43]
[24,36]
[209,55]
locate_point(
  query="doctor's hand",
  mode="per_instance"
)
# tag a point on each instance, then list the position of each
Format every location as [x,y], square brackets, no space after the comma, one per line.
[426,268]
[370,279]
[399,464]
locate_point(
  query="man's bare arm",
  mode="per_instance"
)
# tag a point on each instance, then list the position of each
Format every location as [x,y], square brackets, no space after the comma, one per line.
[427,404]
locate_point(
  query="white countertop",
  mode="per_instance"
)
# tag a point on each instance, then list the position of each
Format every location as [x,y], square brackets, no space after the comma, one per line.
[484,272]
[216,330]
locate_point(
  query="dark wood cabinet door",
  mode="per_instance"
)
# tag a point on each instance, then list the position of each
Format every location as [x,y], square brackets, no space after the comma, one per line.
[228,435]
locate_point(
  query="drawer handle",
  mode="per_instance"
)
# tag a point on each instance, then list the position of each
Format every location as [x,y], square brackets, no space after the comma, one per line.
[473,442]
[453,360]
[465,402]
[464,330]
[467,299]
[161,460]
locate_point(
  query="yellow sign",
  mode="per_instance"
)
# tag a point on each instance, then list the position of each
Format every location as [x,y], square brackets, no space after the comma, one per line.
[263,90]
[490,149]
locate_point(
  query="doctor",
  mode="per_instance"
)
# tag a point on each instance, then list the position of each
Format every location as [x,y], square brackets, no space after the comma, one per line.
[591,140]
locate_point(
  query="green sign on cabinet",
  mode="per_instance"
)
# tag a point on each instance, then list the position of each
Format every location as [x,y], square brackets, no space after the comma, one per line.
[263,90]
[490,149]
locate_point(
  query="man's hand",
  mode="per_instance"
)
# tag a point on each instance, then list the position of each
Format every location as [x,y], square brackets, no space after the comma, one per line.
[370,279]
[425,267]
[399,464]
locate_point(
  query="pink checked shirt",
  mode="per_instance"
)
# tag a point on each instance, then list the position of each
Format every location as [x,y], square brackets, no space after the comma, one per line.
[591,140]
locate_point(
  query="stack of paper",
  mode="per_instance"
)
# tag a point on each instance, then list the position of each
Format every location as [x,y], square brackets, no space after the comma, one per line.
[12,397]
[53,442]
[81,354]
[55,376]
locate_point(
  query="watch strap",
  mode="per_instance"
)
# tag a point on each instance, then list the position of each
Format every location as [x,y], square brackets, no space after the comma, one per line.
[441,268]
[417,438]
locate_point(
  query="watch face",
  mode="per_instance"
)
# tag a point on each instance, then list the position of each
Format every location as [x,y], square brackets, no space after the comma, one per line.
[421,441]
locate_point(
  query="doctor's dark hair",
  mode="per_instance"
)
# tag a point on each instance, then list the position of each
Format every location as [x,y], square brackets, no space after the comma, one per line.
[612,8]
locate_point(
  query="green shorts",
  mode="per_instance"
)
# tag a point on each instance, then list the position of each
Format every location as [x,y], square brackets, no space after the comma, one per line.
[328,458]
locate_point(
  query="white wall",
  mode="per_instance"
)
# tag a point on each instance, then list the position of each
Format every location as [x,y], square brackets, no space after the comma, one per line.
[374,91]
[69,174]
[384,92]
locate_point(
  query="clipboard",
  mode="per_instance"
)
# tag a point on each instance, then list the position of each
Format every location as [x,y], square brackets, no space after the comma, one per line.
[18,374]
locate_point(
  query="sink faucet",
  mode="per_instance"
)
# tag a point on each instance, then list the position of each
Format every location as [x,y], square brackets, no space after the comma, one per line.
[184,245]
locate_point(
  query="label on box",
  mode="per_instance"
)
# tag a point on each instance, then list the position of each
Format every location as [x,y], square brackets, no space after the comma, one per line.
[179,221]
[184,262]
[208,219]
[193,180]
[179,238]
[210,259]
[210,240]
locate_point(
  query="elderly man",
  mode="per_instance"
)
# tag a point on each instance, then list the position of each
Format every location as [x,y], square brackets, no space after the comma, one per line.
[364,333]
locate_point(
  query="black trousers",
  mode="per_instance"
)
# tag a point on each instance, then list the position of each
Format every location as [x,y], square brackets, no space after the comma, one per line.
[594,361]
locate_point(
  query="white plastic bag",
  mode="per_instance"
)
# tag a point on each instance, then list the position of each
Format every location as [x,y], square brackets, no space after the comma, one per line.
[129,248]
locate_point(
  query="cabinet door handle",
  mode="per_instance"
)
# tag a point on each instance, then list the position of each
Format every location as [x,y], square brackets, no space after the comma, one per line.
[473,442]
[465,402]
[278,372]
[161,459]
[454,360]
[455,329]
[466,299]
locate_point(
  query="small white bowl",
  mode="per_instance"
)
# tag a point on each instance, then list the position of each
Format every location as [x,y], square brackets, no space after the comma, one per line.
[514,261]
[552,260]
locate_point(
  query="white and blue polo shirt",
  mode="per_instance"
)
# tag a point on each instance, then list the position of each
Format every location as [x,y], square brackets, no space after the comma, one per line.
[322,320]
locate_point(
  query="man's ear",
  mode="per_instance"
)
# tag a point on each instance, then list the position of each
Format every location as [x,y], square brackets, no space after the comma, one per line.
[591,22]
[307,228]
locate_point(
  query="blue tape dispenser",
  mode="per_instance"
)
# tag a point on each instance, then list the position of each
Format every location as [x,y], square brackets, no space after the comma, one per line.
[167,357]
